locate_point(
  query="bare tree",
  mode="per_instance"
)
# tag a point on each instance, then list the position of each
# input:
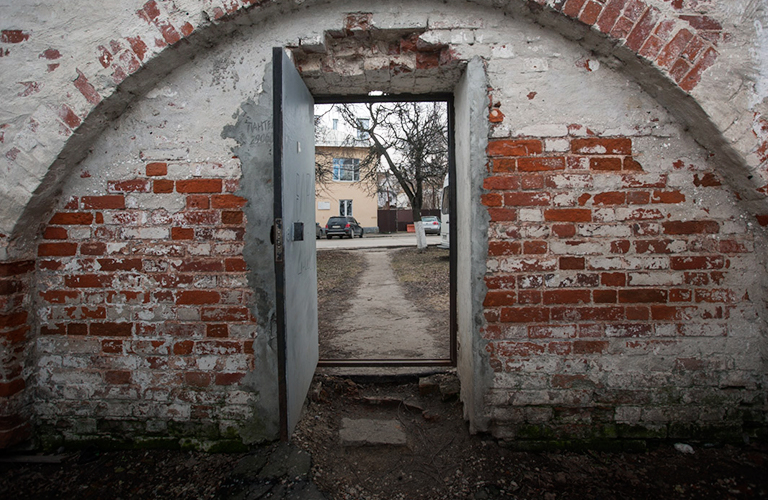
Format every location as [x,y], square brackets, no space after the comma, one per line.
[412,139]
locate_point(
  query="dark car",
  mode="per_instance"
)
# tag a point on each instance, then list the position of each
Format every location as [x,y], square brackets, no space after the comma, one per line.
[319,230]
[343,226]
[431,224]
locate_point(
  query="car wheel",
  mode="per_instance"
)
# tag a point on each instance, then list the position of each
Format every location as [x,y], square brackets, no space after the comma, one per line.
[328,236]
[362,232]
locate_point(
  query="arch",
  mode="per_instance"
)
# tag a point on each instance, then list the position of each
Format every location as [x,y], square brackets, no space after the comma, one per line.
[665,47]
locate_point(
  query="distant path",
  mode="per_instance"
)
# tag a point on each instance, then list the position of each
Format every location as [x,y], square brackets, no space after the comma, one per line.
[381,322]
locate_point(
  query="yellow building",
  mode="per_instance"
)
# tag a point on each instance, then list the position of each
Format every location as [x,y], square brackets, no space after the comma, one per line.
[343,193]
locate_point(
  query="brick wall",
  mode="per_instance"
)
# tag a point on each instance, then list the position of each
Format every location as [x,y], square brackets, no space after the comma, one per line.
[144,311]
[15,280]
[612,299]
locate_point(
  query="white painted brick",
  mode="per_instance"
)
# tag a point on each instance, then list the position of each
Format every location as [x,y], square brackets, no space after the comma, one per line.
[502,52]
[145,233]
[451,21]
[607,263]
[655,279]
[150,201]
[530,215]
[546,130]
[534,65]
[647,262]
[604,230]
[557,145]
[79,233]
[558,247]
[168,154]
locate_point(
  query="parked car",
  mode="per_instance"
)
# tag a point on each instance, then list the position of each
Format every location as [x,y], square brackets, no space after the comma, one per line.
[431,224]
[343,226]
[319,231]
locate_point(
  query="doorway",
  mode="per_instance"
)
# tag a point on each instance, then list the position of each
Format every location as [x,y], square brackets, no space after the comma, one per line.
[380,304]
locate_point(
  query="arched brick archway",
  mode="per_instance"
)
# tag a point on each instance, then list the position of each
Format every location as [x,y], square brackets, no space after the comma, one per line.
[667,52]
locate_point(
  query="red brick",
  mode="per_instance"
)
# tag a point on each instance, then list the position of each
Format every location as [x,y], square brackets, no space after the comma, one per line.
[620,246]
[182,233]
[642,295]
[702,22]
[495,298]
[527,199]
[694,76]
[541,164]
[529,297]
[199,218]
[638,313]
[591,12]
[8,389]
[11,287]
[58,329]
[117,377]
[499,182]
[606,313]
[622,27]
[492,199]
[679,70]
[604,296]
[496,248]
[228,378]
[120,264]
[732,246]
[510,349]
[225,314]
[589,346]
[572,263]
[69,117]
[199,265]
[693,48]
[59,296]
[691,227]
[217,331]
[667,197]
[531,181]
[13,320]
[610,15]
[606,164]
[77,329]
[535,247]
[504,165]
[198,379]
[227,201]
[56,249]
[199,186]
[514,147]
[496,282]
[88,281]
[13,36]
[189,297]
[93,248]
[198,202]
[111,329]
[564,230]
[235,265]
[567,297]
[525,315]
[610,198]
[183,348]
[160,186]
[706,180]
[130,186]
[231,218]
[16,268]
[598,145]
[111,346]
[643,29]
[568,215]
[572,8]
[638,198]
[651,47]
[84,86]
[502,214]
[157,169]
[72,218]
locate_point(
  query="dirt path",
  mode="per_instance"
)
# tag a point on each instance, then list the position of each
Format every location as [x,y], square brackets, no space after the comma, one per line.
[380,322]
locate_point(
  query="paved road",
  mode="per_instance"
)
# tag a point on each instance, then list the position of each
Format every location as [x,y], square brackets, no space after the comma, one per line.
[376,241]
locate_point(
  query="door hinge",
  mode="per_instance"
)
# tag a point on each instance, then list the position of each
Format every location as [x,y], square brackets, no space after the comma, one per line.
[277,239]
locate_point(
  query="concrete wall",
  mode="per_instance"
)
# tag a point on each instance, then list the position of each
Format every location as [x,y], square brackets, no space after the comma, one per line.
[617,292]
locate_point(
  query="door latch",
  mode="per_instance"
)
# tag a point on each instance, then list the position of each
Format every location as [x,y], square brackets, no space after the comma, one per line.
[276,235]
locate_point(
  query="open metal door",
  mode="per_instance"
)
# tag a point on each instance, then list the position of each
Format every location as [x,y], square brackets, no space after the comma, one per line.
[294,237]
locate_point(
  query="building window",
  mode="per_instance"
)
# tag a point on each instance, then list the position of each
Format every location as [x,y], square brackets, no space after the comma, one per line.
[363,123]
[345,208]
[346,169]
[335,124]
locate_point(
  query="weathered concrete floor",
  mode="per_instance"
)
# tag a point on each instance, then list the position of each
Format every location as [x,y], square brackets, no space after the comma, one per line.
[381,322]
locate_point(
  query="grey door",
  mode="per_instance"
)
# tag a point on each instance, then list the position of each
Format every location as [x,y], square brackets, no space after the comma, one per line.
[295,261]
